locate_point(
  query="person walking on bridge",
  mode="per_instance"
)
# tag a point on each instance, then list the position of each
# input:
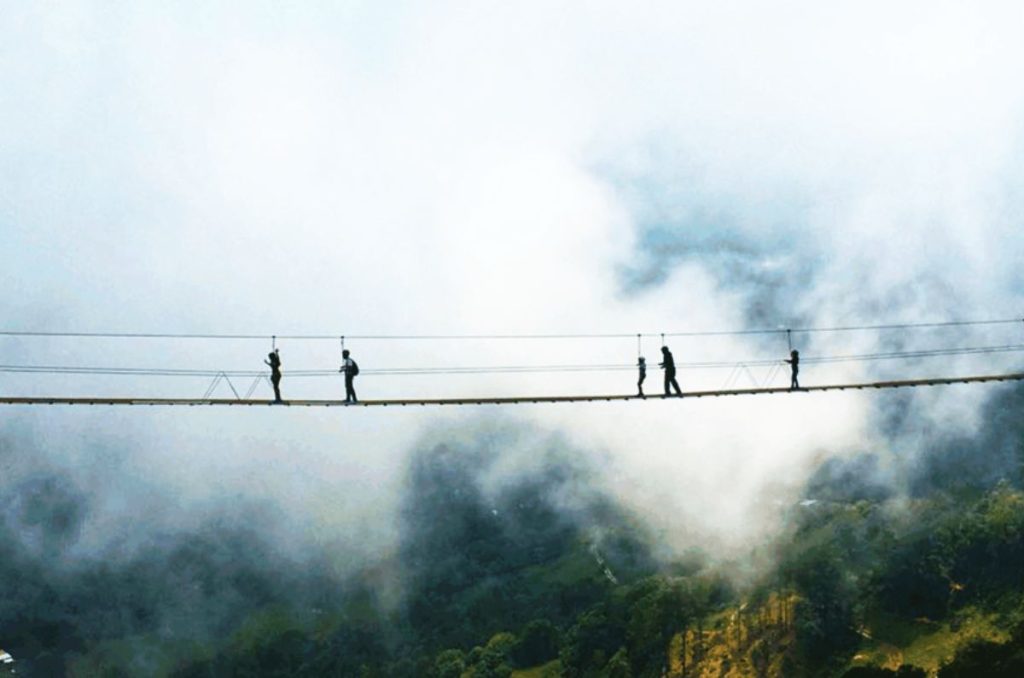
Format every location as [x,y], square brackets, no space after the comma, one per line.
[351,369]
[274,360]
[641,365]
[794,361]
[669,365]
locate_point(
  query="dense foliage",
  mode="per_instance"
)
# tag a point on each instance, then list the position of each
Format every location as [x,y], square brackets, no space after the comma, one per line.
[503,571]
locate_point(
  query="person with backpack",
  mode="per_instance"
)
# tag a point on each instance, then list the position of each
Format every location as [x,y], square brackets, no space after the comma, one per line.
[274,360]
[668,364]
[351,370]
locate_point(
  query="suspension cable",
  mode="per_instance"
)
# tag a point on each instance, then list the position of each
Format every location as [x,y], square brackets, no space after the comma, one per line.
[498,369]
[439,337]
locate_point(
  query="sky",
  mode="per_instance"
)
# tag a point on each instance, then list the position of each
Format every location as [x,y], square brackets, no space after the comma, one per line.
[402,168]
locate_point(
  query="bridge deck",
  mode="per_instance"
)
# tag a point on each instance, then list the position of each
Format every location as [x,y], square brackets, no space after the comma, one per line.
[511,400]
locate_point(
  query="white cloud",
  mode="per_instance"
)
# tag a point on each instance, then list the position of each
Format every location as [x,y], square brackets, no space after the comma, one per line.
[433,171]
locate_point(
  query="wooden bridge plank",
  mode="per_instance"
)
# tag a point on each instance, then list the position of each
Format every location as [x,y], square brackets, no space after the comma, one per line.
[501,400]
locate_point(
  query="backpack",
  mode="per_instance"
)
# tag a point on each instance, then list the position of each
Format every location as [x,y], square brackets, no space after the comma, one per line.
[355,368]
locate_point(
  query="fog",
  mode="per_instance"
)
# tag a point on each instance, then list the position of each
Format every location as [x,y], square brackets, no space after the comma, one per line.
[493,169]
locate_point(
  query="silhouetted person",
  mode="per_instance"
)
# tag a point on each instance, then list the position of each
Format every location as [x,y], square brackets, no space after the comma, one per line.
[794,361]
[669,365]
[275,373]
[641,365]
[351,369]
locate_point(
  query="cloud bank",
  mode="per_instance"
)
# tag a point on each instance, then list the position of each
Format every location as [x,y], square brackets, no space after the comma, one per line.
[503,169]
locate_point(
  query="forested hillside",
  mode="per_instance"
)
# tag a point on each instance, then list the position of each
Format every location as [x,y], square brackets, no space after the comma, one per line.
[539,573]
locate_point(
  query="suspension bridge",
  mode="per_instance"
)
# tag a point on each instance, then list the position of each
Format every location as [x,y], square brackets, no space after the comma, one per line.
[243,395]
[511,400]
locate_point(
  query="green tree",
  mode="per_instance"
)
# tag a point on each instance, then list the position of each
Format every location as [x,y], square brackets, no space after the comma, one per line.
[538,643]
[654,619]
[595,636]
[992,660]
[618,666]
[449,664]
